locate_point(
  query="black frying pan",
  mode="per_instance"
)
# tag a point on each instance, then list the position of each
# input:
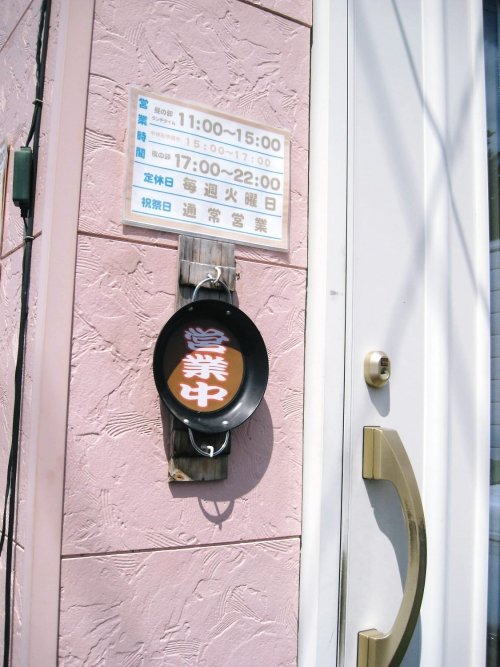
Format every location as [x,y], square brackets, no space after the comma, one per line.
[210,366]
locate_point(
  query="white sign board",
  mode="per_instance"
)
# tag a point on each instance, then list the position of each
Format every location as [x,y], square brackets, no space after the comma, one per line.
[194,170]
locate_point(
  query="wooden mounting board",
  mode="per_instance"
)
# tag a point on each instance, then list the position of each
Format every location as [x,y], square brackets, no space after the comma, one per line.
[198,257]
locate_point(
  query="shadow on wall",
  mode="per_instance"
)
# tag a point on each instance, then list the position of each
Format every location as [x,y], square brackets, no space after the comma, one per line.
[251,449]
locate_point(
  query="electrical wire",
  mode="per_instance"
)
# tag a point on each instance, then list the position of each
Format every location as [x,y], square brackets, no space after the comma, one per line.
[7,535]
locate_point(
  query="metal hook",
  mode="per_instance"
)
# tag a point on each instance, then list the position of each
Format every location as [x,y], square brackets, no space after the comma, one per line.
[217,277]
[213,281]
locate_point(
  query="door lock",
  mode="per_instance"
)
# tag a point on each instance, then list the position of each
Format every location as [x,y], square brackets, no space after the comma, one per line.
[377,369]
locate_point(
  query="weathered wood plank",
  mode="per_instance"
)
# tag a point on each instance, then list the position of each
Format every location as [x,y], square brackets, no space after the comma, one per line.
[197,258]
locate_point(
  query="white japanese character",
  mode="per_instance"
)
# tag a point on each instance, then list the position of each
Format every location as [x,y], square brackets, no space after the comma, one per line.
[202,338]
[202,393]
[203,366]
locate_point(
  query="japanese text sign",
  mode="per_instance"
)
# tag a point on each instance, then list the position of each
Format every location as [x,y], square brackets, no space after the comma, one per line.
[192,169]
[204,366]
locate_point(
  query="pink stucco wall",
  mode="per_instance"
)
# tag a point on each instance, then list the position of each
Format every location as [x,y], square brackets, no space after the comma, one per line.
[232,605]
[151,573]
[231,597]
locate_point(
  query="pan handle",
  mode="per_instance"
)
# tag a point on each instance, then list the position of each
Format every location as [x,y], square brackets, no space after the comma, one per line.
[209,449]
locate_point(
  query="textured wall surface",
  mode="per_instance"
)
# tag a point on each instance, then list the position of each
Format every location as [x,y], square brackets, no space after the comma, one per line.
[202,606]
[222,53]
[182,574]
[11,14]
[117,497]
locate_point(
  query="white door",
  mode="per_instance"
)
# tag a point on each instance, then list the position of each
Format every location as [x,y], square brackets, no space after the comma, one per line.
[386,308]
[399,264]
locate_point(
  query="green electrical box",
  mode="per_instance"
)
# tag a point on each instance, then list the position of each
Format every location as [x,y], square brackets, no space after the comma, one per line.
[21,189]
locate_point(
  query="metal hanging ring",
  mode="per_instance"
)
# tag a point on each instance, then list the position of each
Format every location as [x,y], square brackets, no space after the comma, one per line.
[213,281]
[209,451]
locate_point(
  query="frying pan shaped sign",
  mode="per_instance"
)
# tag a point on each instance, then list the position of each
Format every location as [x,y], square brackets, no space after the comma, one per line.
[210,367]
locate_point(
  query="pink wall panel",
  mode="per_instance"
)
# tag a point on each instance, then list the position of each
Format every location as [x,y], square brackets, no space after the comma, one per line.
[215,581]
[11,14]
[117,495]
[223,604]
[222,53]
[231,606]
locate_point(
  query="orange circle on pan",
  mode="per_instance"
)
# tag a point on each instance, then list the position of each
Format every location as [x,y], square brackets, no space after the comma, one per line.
[208,378]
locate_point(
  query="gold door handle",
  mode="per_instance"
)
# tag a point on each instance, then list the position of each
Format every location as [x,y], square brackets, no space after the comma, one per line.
[384,457]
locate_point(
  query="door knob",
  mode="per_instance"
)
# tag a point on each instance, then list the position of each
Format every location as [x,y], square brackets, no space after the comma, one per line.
[377,368]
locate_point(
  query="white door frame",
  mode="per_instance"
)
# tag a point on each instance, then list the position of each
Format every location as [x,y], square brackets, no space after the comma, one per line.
[325,339]
[456,456]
